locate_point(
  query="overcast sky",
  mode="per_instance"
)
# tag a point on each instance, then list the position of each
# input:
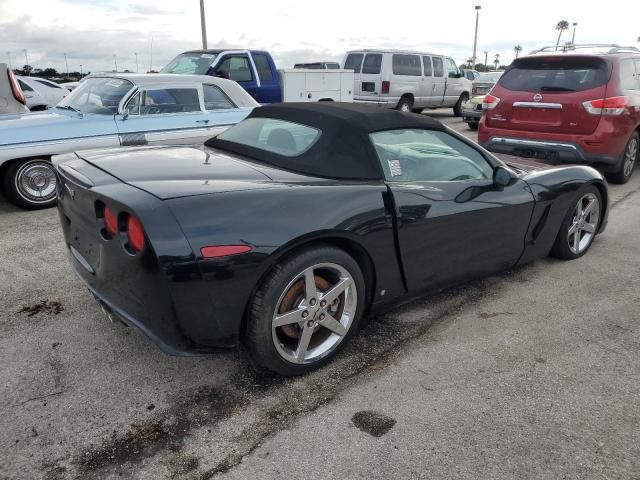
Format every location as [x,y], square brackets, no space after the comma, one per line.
[91,32]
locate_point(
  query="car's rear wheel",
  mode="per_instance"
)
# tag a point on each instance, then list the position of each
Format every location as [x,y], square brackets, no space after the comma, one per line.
[305,311]
[30,183]
[405,104]
[473,125]
[580,225]
[457,108]
[628,160]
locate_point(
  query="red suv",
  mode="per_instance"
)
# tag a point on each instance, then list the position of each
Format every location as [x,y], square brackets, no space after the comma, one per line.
[578,106]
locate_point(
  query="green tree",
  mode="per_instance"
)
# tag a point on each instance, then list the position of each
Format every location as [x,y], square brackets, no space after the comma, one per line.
[517,49]
[496,60]
[561,26]
[26,70]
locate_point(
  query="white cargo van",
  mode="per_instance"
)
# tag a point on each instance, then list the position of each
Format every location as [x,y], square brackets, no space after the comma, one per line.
[407,80]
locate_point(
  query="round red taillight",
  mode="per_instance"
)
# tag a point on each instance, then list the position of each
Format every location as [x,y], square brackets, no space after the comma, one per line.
[110,222]
[135,235]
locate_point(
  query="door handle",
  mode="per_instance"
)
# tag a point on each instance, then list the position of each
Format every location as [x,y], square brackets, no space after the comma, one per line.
[202,121]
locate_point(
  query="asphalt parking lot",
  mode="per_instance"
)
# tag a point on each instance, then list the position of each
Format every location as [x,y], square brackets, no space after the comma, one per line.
[531,374]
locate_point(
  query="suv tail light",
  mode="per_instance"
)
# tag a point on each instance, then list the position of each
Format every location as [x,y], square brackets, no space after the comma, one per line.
[606,106]
[15,88]
[386,86]
[490,102]
[135,235]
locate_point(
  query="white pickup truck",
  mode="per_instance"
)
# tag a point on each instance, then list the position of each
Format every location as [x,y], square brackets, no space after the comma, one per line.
[256,72]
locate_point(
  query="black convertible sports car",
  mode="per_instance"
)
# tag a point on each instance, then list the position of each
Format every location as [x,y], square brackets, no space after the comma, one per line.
[284,230]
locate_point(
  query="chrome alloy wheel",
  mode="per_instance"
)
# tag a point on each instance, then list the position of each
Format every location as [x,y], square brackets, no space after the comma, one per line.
[584,224]
[630,156]
[314,313]
[36,181]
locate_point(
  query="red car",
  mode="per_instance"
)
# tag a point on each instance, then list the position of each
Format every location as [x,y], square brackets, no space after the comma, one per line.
[581,105]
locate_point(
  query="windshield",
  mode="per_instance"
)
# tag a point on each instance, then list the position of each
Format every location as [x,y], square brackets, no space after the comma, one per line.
[97,95]
[491,77]
[194,63]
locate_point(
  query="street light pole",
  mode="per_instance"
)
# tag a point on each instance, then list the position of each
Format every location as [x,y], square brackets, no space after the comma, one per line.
[80,71]
[475,38]
[66,63]
[115,62]
[26,57]
[203,26]
[486,57]
[573,38]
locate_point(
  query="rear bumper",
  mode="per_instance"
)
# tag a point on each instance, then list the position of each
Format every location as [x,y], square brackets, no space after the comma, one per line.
[602,148]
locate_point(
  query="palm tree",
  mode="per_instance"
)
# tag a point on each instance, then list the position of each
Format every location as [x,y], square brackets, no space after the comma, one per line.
[496,60]
[561,26]
[517,49]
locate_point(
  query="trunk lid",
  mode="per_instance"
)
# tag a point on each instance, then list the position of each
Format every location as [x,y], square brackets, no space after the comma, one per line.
[172,172]
[545,94]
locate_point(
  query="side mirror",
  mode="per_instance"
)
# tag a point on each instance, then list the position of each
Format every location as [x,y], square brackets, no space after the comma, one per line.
[502,177]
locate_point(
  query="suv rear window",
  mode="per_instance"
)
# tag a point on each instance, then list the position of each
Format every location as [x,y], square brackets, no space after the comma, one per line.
[559,74]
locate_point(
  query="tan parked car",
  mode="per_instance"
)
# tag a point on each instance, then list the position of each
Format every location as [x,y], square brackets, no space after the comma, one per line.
[12,99]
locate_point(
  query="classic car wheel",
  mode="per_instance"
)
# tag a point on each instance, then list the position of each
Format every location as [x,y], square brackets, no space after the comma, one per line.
[305,311]
[30,183]
[628,160]
[457,109]
[580,226]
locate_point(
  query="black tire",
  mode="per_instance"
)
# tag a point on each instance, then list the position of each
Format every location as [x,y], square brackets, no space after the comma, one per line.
[473,125]
[17,194]
[561,248]
[417,110]
[405,104]
[261,336]
[627,164]
[457,108]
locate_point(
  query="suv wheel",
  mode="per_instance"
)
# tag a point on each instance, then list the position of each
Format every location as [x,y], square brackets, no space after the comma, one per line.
[628,160]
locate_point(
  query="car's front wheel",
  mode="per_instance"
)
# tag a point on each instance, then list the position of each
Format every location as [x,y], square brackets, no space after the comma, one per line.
[580,225]
[457,108]
[30,183]
[305,310]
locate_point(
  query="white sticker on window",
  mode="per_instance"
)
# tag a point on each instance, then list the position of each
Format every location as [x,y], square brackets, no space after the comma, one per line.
[206,55]
[395,167]
[114,83]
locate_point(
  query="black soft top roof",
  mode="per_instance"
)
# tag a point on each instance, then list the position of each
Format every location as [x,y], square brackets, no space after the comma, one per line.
[344,149]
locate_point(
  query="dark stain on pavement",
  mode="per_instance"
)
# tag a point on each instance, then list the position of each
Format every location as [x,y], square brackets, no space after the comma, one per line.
[374,423]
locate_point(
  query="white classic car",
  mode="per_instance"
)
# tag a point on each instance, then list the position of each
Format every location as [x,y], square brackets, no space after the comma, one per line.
[113,110]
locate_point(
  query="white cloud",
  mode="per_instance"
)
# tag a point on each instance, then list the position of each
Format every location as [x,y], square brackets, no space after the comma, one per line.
[92,31]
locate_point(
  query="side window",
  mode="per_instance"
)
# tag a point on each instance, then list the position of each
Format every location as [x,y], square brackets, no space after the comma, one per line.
[452,69]
[406,65]
[438,68]
[133,106]
[235,67]
[264,68]
[215,99]
[170,100]
[24,86]
[353,62]
[628,75]
[428,71]
[417,155]
[333,66]
[372,63]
